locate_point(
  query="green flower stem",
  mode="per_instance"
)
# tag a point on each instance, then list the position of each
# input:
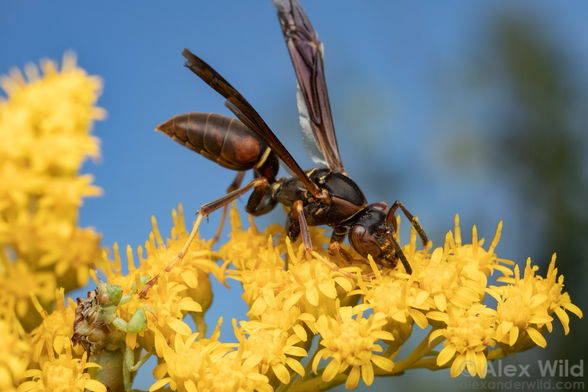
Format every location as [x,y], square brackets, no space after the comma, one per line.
[314,382]
[418,353]
[308,366]
[497,353]
[431,363]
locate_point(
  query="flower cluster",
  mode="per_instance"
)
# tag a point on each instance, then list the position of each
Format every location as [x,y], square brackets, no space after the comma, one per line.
[360,314]
[44,128]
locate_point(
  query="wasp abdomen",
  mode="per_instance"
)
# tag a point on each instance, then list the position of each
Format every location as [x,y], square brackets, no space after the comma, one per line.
[224,140]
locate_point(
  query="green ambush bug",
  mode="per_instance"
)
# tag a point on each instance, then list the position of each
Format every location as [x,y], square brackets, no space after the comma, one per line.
[102,333]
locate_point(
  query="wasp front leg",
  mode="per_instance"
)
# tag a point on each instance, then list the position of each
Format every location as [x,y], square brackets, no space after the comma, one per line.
[335,248]
[413,221]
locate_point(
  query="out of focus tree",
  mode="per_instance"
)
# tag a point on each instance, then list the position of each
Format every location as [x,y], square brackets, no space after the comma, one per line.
[536,129]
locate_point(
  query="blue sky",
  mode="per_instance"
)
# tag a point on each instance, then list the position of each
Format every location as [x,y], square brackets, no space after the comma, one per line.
[386,58]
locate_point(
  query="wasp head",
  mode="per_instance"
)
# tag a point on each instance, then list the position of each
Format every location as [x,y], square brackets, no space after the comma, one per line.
[372,234]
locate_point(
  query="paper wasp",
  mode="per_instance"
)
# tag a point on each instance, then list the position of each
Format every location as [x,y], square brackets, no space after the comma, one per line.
[320,196]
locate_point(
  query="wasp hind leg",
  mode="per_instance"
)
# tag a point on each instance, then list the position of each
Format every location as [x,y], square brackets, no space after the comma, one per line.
[259,186]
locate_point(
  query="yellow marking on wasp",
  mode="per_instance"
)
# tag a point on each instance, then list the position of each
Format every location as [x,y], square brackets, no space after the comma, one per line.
[263,158]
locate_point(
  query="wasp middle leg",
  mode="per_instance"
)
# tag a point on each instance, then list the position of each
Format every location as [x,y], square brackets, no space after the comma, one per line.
[236,184]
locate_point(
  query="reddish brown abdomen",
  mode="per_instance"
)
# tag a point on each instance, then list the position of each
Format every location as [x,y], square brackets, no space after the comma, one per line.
[224,140]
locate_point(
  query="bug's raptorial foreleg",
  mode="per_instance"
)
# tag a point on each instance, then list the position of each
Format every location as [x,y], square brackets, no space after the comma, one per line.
[335,245]
[234,186]
[413,221]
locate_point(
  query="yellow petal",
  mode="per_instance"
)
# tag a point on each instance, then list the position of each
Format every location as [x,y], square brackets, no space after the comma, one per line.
[293,300]
[281,373]
[258,307]
[300,332]
[573,308]
[382,362]
[438,316]
[94,386]
[190,278]
[317,359]
[481,364]
[563,318]
[332,370]
[190,386]
[312,296]
[296,366]
[513,335]
[353,378]
[540,319]
[459,365]
[536,336]
[27,386]
[446,354]
[159,384]
[367,374]
[328,289]
[295,351]
[344,283]
[180,327]
[419,318]
[440,302]
[190,305]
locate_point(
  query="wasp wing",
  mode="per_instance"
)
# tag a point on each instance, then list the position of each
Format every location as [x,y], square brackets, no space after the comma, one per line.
[249,116]
[309,140]
[306,53]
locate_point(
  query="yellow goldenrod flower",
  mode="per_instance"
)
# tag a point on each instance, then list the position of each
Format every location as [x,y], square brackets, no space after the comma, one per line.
[191,365]
[269,349]
[401,300]
[44,128]
[14,348]
[181,290]
[468,334]
[231,373]
[248,248]
[457,274]
[315,286]
[350,343]
[279,296]
[63,373]
[40,284]
[525,306]
[54,334]
[557,301]
[294,296]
